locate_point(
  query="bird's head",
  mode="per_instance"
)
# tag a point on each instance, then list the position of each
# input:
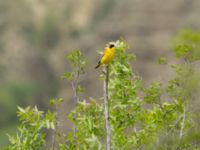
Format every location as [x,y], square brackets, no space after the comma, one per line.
[111,45]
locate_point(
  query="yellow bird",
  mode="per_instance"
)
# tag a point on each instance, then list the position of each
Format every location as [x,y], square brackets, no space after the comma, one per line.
[107,56]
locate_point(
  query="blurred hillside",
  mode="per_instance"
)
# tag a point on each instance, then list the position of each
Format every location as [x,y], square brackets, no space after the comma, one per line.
[36,35]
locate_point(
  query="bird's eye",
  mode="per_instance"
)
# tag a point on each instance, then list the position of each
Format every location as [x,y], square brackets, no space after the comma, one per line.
[111,45]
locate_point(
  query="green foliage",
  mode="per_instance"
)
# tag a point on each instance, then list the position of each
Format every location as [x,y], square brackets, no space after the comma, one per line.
[90,127]
[153,93]
[153,117]
[162,60]
[125,105]
[55,102]
[77,62]
[132,124]
[185,86]
[186,82]
[31,134]
[187,45]
[11,94]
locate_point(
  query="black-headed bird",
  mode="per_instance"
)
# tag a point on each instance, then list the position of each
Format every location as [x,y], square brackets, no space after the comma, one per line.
[107,56]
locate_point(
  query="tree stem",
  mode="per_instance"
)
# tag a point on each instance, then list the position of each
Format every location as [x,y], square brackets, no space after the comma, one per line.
[76,98]
[55,130]
[182,124]
[106,108]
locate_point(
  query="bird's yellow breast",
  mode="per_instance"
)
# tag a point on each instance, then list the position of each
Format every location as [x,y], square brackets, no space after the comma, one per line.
[108,56]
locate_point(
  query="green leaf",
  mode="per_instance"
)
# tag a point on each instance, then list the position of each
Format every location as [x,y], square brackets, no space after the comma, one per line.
[68,76]
[162,60]
[20,109]
[152,94]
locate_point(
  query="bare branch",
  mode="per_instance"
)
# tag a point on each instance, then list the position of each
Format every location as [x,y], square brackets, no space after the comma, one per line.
[55,130]
[182,124]
[106,108]
[76,98]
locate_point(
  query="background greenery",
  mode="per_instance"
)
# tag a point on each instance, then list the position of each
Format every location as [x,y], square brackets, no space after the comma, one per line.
[160,117]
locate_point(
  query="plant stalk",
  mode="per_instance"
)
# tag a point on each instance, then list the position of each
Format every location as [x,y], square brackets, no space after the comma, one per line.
[76,98]
[106,108]
[183,124]
[55,130]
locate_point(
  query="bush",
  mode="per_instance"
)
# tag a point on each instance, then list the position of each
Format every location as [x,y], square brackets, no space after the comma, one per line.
[159,119]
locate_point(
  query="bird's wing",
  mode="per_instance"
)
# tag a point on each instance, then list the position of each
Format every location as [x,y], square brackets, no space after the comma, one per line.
[103,53]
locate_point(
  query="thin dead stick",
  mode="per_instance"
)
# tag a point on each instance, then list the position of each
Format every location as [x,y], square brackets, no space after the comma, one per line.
[56,128]
[182,124]
[106,110]
[182,127]
[76,99]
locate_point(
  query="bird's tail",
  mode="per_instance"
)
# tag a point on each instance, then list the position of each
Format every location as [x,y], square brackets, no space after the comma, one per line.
[99,64]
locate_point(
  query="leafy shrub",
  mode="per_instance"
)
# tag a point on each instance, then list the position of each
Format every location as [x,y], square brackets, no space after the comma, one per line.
[157,117]
[31,134]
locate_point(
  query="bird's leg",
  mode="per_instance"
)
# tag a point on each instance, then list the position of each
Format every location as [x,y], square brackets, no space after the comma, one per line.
[104,71]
